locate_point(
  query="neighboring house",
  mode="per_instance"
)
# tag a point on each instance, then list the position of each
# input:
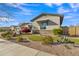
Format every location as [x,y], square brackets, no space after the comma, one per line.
[47,22]
[4,29]
[13,28]
[24,25]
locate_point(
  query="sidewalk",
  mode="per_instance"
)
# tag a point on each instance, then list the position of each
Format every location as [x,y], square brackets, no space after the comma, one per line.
[8,48]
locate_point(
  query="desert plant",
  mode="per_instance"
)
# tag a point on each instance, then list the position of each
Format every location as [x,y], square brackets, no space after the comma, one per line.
[8,37]
[58,31]
[48,40]
[66,40]
[4,35]
[19,38]
[59,41]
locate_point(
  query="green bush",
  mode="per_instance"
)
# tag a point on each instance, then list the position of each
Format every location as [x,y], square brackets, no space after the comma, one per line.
[19,39]
[3,34]
[6,35]
[59,41]
[58,31]
[66,40]
[48,40]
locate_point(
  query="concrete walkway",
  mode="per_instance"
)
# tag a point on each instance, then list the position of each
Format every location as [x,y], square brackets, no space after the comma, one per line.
[8,48]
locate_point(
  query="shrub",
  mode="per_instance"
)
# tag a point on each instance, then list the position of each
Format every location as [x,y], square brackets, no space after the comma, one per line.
[48,40]
[58,31]
[59,41]
[66,40]
[19,38]
[8,37]
[4,35]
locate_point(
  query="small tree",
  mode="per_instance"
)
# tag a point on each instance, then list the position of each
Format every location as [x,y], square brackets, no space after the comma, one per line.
[58,31]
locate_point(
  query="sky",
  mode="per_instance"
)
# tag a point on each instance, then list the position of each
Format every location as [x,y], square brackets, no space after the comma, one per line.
[16,13]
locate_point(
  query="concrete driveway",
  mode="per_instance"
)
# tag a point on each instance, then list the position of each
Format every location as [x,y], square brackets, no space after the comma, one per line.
[8,48]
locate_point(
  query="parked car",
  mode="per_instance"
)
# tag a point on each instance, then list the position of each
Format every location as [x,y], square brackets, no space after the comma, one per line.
[25,29]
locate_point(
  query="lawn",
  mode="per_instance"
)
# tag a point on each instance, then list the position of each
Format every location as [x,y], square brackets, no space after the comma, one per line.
[34,37]
[76,41]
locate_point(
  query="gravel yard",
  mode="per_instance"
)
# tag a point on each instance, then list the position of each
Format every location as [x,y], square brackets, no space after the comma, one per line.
[55,49]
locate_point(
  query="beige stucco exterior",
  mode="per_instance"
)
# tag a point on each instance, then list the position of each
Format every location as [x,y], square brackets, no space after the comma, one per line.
[12,28]
[25,25]
[50,26]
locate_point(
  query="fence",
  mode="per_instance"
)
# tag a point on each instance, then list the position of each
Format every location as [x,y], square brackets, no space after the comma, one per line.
[73,31]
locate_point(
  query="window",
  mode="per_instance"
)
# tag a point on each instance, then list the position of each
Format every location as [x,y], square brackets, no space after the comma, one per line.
[43,24]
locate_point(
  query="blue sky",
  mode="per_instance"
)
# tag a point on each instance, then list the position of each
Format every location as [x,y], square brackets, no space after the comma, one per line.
[24,12]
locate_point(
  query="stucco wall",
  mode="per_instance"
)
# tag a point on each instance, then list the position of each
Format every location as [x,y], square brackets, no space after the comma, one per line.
[55,19]
[52,27]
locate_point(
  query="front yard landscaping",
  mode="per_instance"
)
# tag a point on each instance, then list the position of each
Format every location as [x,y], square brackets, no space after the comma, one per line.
[52,44]
[45,39]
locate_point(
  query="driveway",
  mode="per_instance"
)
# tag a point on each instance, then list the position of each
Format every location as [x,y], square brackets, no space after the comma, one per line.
[8,48]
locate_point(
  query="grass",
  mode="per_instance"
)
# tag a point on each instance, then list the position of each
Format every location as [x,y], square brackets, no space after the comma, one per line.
[76,41]
[33,37]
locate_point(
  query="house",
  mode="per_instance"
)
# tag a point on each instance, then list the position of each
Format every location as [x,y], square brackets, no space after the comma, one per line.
[24,25]
[15,29]
[4,29]
[12,28]
[46,22]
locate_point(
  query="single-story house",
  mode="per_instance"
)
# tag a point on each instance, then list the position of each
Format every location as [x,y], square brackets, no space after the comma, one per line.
[13,28]
[24,25]
[47,22]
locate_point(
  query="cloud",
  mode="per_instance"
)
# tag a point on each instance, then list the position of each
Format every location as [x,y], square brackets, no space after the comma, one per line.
[58,4]
[19,6]
[68,17]
[5,19]
[61,10]
[52,4]
[74,6]
[23,11]
[33,4]
[49,4]
[4,13]
[71,16]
